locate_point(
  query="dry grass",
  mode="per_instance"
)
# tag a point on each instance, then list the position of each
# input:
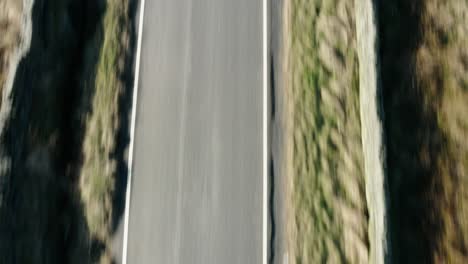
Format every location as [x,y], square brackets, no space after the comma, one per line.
[442,69]
[10,26]
[425,76]
[97,180]
[3,69]
[328,192]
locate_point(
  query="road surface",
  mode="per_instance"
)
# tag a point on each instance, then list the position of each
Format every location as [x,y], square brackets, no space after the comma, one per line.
[196,192]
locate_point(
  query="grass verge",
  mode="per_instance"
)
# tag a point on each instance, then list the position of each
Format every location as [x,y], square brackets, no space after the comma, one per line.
[328,190]
[97,180]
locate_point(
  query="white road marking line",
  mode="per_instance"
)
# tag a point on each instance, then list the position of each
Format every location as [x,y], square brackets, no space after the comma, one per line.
[132,133]
[265,134]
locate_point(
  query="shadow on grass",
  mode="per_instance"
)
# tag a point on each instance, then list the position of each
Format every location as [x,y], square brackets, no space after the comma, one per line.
[42,219]
[123,134]
[414,141]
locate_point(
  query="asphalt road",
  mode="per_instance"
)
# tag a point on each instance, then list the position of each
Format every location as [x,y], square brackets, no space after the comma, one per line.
[197,167]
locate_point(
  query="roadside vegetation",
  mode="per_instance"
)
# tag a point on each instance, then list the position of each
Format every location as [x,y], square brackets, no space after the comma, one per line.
[41,219]
[330,221]
[59,148]
[10,27]
[424,58]
[98,173]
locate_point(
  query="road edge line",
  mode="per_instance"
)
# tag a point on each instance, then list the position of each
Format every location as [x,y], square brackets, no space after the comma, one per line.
[265,134]
[132,133]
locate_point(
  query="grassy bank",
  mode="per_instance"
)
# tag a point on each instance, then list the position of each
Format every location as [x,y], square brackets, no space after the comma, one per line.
[41,219]
[10,27]
[328,192]
[98,173]
[425,87]
[57,150]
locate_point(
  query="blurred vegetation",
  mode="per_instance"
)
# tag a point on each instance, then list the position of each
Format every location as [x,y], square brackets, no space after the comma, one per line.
[63,124]
[425,74]
[97,180]
[10,27]
[330,213]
